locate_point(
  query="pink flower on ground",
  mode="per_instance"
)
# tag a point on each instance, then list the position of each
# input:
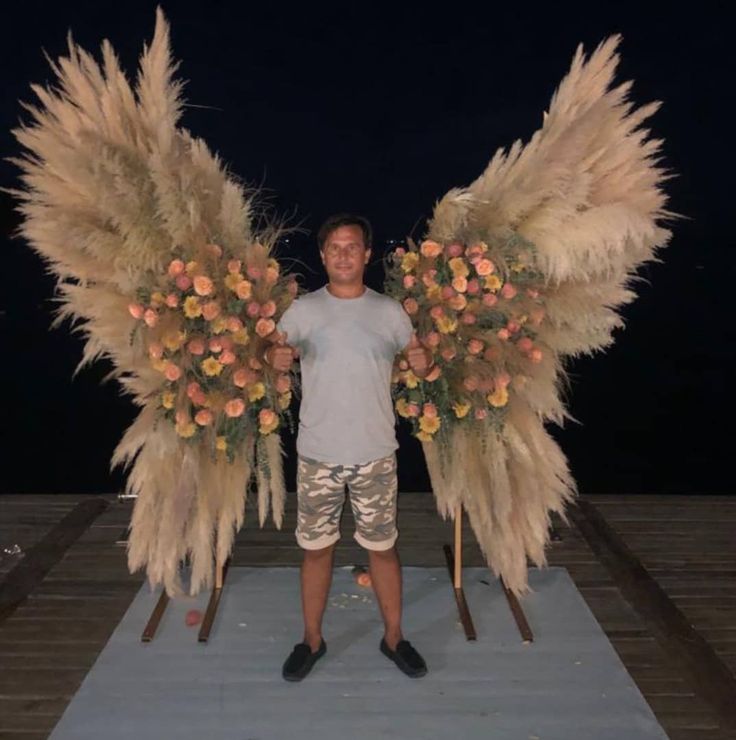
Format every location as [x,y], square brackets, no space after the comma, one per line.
[525,344]
[203,417]
[468,318]
[503,334]
[410,306]
[233,266]
[150,317]
[454,250]
[136,310]
[176,267]
[253,309]
[211,310]
[172,300]
[409,281]
[429,410]
[508,291]
[264,327]
[235,407]
[183,282]
[203,285]
[196,346]
[227,357]
[172,372]
[489,299]
[268,309]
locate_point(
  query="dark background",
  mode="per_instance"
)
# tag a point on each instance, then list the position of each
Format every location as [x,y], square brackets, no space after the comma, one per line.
[382,113]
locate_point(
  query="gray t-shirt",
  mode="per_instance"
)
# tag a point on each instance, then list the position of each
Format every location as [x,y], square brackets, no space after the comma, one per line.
[347,347]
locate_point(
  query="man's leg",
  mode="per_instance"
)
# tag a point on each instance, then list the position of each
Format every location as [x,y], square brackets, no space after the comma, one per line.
[316,579]
[385,571]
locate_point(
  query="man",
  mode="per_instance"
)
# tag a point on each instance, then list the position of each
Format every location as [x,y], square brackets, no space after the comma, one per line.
[347,337]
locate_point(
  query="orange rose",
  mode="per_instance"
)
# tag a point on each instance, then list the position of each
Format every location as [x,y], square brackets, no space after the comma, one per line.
[430,248]
[203,417]
[234,407]
[203,285]
[264,327]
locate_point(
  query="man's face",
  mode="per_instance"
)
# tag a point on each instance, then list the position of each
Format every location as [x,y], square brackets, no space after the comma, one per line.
[345,255]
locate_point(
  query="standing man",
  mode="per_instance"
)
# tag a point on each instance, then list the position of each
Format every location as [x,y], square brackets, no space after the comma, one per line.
[347,337]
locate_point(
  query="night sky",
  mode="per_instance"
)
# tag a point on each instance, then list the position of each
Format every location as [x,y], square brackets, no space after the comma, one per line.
[381,113]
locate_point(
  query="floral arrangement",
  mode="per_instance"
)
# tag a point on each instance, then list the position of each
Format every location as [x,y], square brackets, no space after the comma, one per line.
[477,306]
[205,325]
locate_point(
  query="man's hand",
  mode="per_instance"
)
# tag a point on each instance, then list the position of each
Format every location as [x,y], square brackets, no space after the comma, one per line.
[280,355]
[418,356]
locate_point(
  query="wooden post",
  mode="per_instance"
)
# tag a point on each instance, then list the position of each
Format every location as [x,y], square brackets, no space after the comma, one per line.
[455,564]
[214,602]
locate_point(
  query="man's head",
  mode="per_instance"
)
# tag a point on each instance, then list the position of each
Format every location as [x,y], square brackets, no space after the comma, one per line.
[345,247]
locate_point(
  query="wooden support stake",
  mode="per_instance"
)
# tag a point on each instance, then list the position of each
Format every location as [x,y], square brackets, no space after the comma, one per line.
[527,636]
[455,565]
[158,612]
[209,615]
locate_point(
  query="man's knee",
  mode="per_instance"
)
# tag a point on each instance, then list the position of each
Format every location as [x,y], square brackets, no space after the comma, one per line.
[319,553]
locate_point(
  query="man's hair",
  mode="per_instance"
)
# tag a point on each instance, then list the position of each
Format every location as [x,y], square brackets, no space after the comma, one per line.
[345,219]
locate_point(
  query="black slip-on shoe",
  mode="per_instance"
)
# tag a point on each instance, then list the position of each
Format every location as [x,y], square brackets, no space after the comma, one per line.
[301,660]
[406,658]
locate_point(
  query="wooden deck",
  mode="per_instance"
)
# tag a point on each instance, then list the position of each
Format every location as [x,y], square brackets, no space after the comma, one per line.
[658,572]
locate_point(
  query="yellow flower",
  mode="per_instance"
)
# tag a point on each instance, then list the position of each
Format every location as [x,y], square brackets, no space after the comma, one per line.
[429,424]
[211,366]
[192,307]
[191,267]
[173,340]
[424,436]
[434,292]
[158,298]
[518,267]
[232,279]
[410,380]
[221,443]
[499,397]
[273,264]
[459,267]
[256,392]
[460,409]
[167,399]
[493,282]
[219,324]
[409,261]
[284,400]
[241,336]
[187,429]
[159,364]
[446,324]
[402,408]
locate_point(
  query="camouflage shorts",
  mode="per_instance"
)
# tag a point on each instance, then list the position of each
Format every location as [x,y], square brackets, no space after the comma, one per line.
[373,488]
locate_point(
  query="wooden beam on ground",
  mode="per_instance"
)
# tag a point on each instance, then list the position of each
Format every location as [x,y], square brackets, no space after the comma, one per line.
[155,619]
[46,553]
[527,636]
[462,604]
[209,615]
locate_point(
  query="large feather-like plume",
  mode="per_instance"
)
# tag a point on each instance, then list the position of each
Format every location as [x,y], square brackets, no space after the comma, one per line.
[586,192]
[112,187]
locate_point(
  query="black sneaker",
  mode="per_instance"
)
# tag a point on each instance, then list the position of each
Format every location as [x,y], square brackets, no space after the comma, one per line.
[406,658]
[301,660]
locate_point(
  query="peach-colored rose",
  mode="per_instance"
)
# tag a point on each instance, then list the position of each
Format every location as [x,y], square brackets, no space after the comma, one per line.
[458,302]
[272,275]
[283,383]
[470,383]
[503,334]
[199,398]
[268,420]
[468,318]
[233,266]
[226,342]
[243,290]
[508,290]
[436,312]
[448,353]
[428,278]
[136,310]
[460,284]
[243,376]
[172,300]
[192,388]
[215,345]
[255,363]
[214,249]
[475,346]
[235,407]
[253,309]
[172,372]
[410,306]
[183,282]
[492,354]
[211,310]
[176,267]
[264,327]
[196,346]
[480,414]
[203,417]
[227,357]
[409,281]
[433,339]
[430,410]
[254,272]
[536,355]
[234,324]
[525,344]
[484,267]
[447,292]
[182,416]
[412,409]
[454,250]
[503,379]
[203,285]
[473,286]
[156,350]
[268,309]
[150,317]
[489,299]
[513,326]
[433,374]
[430,248]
